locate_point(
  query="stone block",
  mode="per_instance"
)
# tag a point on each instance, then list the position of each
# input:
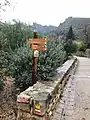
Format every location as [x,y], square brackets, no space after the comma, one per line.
[87,53]
[24,107]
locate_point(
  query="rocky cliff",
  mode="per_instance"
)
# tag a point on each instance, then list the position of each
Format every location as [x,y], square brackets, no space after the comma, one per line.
[81,26]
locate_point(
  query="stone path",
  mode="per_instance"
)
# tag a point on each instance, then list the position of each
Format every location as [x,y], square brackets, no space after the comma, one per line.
[75,103]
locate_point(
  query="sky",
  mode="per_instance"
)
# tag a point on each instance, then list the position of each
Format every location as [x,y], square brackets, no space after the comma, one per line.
[46,12]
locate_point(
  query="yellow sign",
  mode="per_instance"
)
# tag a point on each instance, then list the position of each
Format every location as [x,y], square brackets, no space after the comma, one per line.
[37,106]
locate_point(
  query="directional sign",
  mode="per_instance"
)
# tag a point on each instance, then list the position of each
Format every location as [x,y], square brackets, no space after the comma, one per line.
[37,41]
[38,47]
[37,44]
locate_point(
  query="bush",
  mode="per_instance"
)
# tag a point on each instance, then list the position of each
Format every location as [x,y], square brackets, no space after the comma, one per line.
[21,66]
[70,48]
[81,45]
[4,59]
[4,62]
[48,61]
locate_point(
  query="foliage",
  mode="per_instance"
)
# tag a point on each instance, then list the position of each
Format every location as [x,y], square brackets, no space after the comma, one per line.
[49,60]
[3,4]
[4,59]
[69,46]
[16,58]
[21,63]
[14,35]
[86,31]
[70,34]
[41,35]
[81,45]
[21,66]
[4,62]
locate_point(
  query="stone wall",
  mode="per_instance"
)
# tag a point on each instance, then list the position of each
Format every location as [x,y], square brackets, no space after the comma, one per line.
[38,102]
[87,53]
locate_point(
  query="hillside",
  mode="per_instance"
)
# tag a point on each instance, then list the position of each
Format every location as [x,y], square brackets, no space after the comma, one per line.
[44,29]
[79,25]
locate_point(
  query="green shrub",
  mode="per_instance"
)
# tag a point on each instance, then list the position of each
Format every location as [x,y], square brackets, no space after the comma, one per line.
[49,60]
[70,48]
[4,63]
[4,59]
[81,45]
[21,66]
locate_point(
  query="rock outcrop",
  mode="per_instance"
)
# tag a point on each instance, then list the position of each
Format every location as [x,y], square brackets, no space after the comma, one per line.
[81,27]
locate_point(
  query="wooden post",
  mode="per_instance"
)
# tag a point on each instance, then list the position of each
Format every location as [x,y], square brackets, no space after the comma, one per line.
[37,44]
[34,64]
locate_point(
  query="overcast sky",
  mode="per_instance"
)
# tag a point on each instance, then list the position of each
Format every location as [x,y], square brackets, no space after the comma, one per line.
[46,12]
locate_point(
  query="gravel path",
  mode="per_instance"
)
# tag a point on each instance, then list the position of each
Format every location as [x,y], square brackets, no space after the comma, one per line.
[75,103]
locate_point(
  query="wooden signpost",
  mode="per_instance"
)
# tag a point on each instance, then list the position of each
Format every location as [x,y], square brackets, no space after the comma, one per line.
[37,44]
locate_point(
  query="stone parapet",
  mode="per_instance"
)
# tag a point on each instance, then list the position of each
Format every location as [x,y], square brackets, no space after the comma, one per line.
[38,102]
[87,53]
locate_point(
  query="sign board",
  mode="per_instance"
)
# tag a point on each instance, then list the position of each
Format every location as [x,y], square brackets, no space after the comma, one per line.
[38,47]
[37,41]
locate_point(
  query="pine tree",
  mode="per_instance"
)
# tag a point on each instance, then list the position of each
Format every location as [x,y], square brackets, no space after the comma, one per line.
[69,46]
[70,34]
